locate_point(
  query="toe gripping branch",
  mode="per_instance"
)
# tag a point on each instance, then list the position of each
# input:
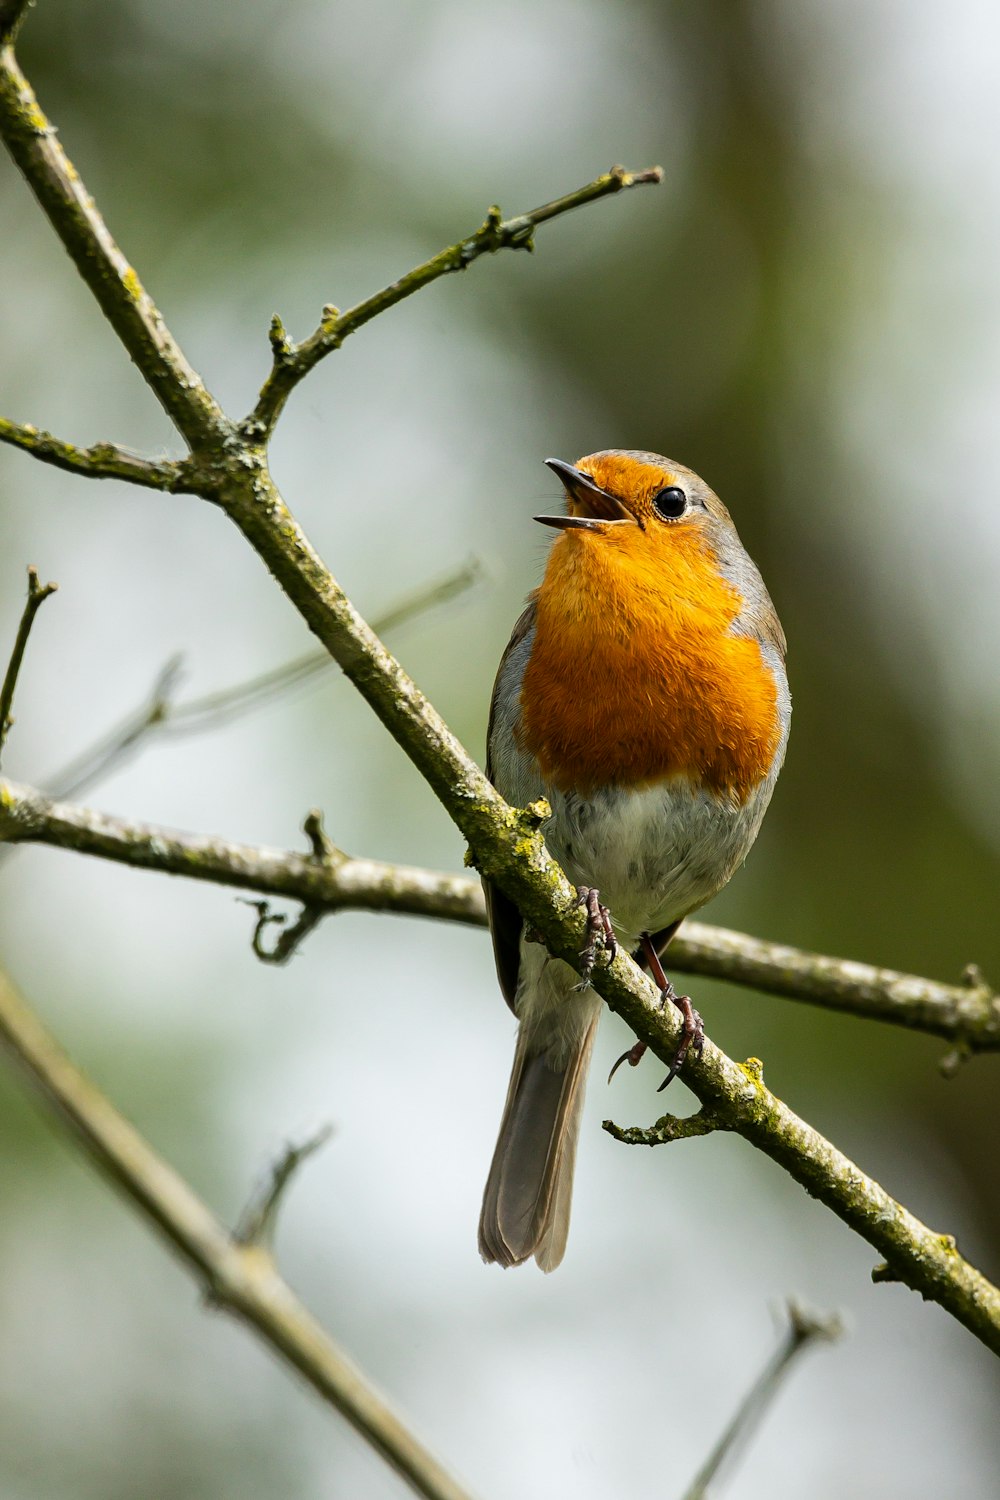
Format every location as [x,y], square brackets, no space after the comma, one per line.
[693,1033]
[600,932]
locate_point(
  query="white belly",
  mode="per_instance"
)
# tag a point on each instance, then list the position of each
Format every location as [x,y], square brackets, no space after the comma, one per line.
[657,853]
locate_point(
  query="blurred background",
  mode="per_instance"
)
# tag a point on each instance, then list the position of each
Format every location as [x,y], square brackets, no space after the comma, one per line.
[806,312]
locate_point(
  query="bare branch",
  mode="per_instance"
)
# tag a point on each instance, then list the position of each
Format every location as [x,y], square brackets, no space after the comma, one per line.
[128,307]
[966,1013]
[239,1277]
[101,460]
[292,362]
[37,595]
[804,1330]
[259,1218]
[351,884]
[667,1129]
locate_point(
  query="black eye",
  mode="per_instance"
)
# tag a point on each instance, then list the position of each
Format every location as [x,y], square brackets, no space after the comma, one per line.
[671,503]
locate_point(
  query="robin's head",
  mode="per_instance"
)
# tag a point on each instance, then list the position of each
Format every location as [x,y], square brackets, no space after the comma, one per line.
[621,492]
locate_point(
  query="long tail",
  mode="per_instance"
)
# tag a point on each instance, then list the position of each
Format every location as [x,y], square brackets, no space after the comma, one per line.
[530,1187]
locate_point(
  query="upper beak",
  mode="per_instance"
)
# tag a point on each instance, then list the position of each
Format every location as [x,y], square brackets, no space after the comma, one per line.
[598,507]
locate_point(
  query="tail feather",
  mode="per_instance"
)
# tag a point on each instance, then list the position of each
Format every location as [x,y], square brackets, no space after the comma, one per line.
[529,1190]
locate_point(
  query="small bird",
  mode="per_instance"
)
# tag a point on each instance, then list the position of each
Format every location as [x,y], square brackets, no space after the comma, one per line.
[643,694]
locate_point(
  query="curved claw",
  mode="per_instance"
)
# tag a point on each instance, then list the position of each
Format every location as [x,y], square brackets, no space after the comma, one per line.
[692,1037]
[633,1057]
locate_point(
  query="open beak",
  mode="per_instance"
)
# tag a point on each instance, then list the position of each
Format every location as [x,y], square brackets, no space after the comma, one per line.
[598,509]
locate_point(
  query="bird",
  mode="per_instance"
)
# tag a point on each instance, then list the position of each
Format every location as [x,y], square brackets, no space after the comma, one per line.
[643,695]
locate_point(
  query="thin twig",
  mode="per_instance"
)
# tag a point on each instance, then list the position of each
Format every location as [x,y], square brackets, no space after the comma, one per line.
[667,1129]
[241,1278]
[101,460]
[259,1219]
[292,362]
[163,717]
[37,595]
[804,1329]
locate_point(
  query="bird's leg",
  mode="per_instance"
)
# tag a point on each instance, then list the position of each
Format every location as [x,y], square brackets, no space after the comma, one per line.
[599,930]
[693,1034]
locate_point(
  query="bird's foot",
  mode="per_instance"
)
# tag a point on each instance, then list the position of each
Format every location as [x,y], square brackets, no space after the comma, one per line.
[599,930]
[692,1036]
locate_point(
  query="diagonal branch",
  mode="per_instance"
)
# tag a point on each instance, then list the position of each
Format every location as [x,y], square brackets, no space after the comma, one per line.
[162,715]
[805,1329]
[292,362]
[37,595]
[126,304]
[100,460]
[241,1278]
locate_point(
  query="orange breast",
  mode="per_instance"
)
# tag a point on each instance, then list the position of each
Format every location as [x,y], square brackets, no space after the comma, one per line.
[634,674]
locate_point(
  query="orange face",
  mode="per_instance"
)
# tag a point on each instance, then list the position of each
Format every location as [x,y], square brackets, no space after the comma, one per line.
[636,672]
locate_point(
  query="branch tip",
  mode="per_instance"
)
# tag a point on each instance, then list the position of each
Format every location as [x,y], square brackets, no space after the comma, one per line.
[324,850]
[495,233]
[36,597]
[668,1128]
[258,1221]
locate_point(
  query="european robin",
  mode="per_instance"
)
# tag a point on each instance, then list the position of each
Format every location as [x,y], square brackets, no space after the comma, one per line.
[643,694]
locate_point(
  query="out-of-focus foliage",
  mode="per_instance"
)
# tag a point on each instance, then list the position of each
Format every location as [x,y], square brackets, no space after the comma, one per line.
[806,313]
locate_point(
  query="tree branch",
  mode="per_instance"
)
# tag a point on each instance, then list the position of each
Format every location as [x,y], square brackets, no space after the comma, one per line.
[101,460]
[967,1014]
[292,362]
[341,885]
[241,1278]
[128,307]
[37,595]
[804,1329]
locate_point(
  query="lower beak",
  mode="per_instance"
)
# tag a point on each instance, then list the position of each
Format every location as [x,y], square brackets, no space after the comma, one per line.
[572,523]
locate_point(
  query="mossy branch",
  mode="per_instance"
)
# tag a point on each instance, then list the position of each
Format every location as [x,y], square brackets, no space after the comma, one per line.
[293,362]
[100,460]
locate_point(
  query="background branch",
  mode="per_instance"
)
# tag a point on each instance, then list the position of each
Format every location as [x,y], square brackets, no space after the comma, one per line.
[37,595]
[161,716]
[239,1277]
[805,1329]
